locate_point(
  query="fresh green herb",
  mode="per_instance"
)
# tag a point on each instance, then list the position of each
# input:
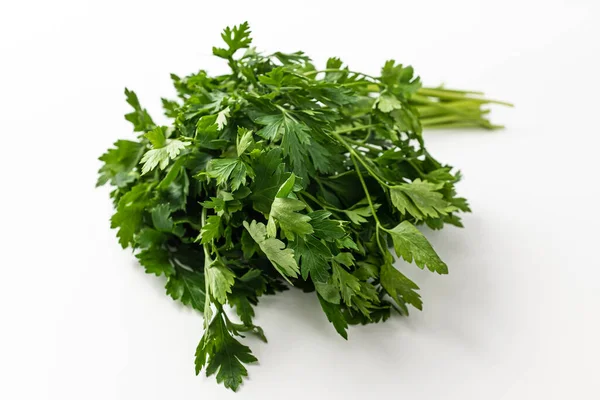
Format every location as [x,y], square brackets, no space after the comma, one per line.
[280,174]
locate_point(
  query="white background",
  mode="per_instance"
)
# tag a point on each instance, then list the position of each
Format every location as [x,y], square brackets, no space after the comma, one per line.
[516,318]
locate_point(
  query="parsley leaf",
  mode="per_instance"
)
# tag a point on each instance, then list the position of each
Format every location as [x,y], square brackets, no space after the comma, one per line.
[222,354]
[139,117]
[232,170]
[281,258]
[335,316]
[161,156]
[410,244]
[120,163]
[220,279]
[312,256]
[188,287]
[236,38]
[400,288]
[286,213]
[420,199]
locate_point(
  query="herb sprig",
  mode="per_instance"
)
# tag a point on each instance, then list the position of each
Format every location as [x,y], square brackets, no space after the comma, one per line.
[279,174]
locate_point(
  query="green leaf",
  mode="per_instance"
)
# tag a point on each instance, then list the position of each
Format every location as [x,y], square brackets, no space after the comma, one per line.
[287,187]
[130,211]
[161,157]
[295,139]
[243,308]
[359,215]
[222,354]
[285,212]
[400,79]
[273,126]
[325,228]
[222,118]
[282,259]
[244,140]
[328,292]
[245,294]
[335,316]
[236,38]
[161,218]
[348,243]
[171,108]
[249,246]
[232,170]
[410,244]
[156,261]
[220,280]
[346,259]
[400,288]
[207,133]
[139,117]
[188,287]
[420,199]
[212,230]
[312,256]
[347,283]
[270,175]
[119,163]
[333,64]
[387,103]
[295,142]
[157,137]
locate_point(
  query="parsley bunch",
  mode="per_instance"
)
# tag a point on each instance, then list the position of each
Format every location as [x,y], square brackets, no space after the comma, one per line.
[278,174]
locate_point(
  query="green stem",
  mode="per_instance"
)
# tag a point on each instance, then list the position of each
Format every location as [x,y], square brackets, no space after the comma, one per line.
[448,118]
[355,128]
[432,111]
[308,207]
[455,90]
[207,262]
[315,200]
[454,95]
[461,124]
[311,73]
[363,83]
[365,145]
[354,153]
[371,205]
[365,189]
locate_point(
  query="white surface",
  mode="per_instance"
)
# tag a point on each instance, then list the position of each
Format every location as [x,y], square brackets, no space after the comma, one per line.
[516,318]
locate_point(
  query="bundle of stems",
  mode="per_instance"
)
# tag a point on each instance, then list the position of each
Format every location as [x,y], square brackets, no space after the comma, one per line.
[449,108]
[438,107]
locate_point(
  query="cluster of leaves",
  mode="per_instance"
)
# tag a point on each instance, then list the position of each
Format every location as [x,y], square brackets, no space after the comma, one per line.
[280,174]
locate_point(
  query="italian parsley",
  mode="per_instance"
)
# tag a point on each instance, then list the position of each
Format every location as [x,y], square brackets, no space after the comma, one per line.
[279,174]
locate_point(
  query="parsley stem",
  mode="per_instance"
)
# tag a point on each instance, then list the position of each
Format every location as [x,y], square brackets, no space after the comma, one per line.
[315,200]
[365,145]
[441,88]
[454,95]
[202,223]
[365,189]
[460,124]
[355,128]
[308,207]
[310,73]
[371,205]
[207,262]
[354,153]
[373,85]
[450,118]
